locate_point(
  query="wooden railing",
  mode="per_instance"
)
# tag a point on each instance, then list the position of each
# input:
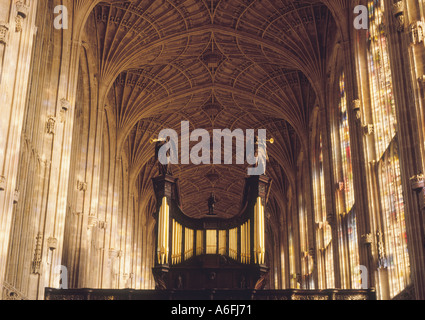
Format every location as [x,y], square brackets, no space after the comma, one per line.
[128,294]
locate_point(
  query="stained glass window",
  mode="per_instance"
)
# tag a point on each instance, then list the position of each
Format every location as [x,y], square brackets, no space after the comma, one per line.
[347,224]
[391,212]
[344,132]
[397,257]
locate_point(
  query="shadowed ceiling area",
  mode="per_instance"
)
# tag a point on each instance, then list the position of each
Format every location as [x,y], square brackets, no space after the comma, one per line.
[217,64]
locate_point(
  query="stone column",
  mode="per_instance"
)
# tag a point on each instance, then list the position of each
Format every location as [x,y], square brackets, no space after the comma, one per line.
[363,215]
[17,30]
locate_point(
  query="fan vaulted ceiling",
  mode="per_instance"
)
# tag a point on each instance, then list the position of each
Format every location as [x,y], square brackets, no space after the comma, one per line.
[217,64]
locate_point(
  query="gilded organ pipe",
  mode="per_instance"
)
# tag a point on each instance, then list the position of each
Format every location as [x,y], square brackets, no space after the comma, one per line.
[163,232]
[259,233]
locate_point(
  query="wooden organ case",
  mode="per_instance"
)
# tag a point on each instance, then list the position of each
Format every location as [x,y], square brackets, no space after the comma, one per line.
[210,253]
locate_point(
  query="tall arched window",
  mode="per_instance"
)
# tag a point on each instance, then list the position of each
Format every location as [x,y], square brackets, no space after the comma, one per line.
[390,218]
[325,264]
[346,220]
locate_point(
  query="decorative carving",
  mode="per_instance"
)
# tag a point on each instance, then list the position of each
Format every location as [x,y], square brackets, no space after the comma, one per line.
[36,263]
[2,183]
[416,32]
[4,31]
[398,12]
[382,260]
[52,243]
[262,282]
[367,238]
[368,129]
[356,107]
[417,182]
[51,125]
[19,21]
[81,186]
[22,9]
[158,275]
[11,293]
[102,225]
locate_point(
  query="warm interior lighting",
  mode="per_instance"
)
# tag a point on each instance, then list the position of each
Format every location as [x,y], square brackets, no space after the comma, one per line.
[176,254]
[259,233]
[163,230]
[233,243]
[188,243]
[245,243]
[211,241]
[199,242]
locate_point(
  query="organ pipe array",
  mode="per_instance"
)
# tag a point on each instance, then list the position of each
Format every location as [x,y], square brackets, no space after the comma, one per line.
[188,243]
[244,243]
[176,255]
[163,232]
[181,238]
[259,237]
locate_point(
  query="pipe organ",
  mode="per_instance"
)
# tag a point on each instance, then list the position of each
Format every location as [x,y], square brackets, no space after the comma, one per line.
[182,242]
[259,239]
[189,242]
[163,233]
[233,243]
